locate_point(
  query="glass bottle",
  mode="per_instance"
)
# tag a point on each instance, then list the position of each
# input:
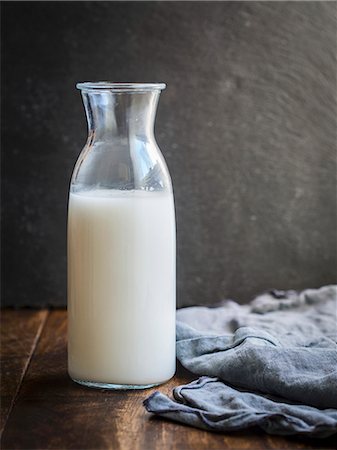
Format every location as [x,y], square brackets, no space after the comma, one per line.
[121,244]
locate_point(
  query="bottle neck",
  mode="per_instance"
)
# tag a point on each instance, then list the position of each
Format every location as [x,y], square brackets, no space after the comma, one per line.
[120,115]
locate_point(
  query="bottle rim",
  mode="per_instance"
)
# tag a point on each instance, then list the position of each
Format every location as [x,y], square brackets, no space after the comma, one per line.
[119,87]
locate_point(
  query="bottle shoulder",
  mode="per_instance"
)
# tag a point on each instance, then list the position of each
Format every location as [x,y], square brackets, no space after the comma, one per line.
[122,164]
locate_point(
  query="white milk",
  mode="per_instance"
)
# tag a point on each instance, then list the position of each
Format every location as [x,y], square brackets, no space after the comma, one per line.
[121,288]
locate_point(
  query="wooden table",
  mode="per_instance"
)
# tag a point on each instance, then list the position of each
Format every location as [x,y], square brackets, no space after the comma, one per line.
[41,408]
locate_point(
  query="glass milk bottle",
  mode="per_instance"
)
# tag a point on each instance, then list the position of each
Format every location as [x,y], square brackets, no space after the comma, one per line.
[121,244]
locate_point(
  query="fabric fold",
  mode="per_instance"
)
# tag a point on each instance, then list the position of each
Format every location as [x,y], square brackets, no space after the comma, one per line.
[210,404]
[272,363]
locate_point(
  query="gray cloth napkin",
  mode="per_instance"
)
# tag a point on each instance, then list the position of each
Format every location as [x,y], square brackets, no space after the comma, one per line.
[272,363]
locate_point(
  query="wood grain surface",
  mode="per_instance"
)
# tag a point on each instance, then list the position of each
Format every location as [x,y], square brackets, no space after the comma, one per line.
[20,331]
[49,411]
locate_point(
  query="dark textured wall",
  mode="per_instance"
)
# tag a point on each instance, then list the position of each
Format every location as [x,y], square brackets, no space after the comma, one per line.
[247,126]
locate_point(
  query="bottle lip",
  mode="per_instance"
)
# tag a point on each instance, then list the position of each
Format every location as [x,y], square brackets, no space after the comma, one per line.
[119,87]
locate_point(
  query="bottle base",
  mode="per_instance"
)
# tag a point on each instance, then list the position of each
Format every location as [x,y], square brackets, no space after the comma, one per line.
[112,386]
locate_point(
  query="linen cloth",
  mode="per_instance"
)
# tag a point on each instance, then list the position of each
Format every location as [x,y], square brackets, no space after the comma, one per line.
[271,363]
